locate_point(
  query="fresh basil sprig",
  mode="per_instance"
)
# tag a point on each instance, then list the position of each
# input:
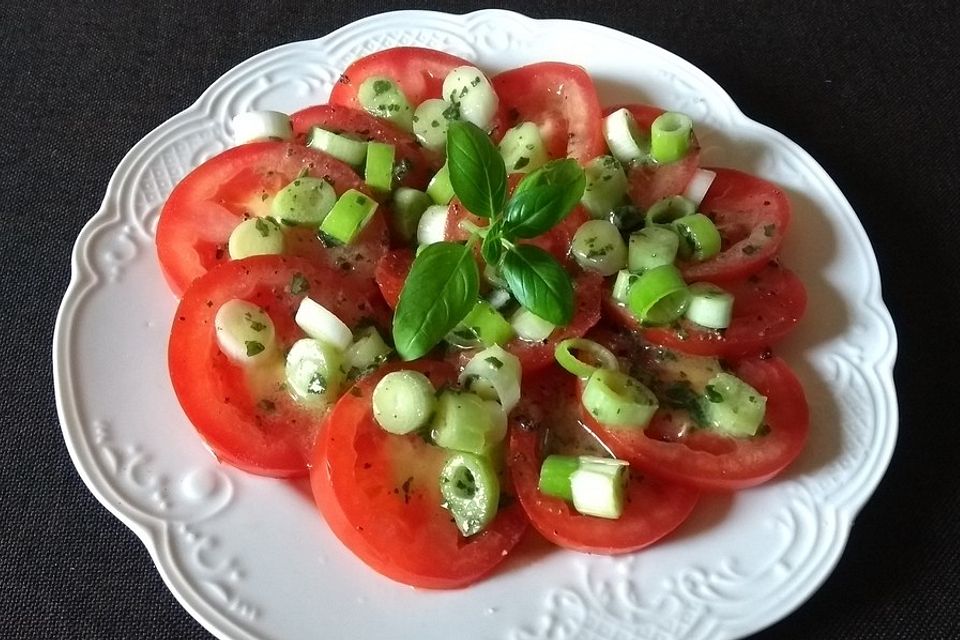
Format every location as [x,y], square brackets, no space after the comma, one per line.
[443,283]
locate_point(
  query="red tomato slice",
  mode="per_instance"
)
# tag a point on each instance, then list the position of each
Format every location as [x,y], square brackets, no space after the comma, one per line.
[653,508]
[418,72]
[420,164]
[561,99]
[380,495]
[712,461]
[752,216]
[257,427]
[649,183]
[198,217]
[391,272]
[767,307]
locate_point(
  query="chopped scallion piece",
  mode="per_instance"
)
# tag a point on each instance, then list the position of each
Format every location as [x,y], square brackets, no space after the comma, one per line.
[652,247]
[598,246]
[494,374]
[669,209]
[699,237]
[618,400]
[378,172]
[382,97]
[440,188]
[464,421]
[471,491]
[313,372]
[710,306]
[606,186]
[599,356]
[658,296]
[255,237]
[486,325]
[599,487]
[408,206]
[531,327]
[624,138]
[403,401]
[367,352]
[340,147]
[732,406]
[305,201]
[670,136]
[522,148]
[245,333]
[348,217]
[555,475]
[621,286]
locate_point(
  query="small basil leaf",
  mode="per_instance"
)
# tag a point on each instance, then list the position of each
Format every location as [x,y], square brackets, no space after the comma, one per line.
[477,173]
[538,209]
[492,248]
[539,283]
[439,292]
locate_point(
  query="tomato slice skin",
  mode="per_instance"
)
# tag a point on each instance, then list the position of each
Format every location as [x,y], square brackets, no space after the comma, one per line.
[767,307]
[391,272]
[203,209]
[649,183]
[715,462]
[419,73]
[339,119]
[561,99]
[380,495]
[266,439]
[653,508]
[752,215]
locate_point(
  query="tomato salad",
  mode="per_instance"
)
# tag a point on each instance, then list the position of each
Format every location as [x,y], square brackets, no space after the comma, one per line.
[465,305]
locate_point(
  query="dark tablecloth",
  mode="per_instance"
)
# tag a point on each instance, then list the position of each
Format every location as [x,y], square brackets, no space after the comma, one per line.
[872,93]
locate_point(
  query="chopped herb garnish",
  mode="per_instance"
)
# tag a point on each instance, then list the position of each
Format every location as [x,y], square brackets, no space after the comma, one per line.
[495,362]
[712,394]
[253,347]
[299,284]
[521,162]
[262,227]
[381,86]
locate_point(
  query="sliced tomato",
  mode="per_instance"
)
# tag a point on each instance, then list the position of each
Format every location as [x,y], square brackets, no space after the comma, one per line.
[418,72]
[415,164]
[767,307]
[752,216]
[652,182]
[672,449]
[244,415]
[391,272]
[204,208]
[550,405]
[561,99]
[380,495]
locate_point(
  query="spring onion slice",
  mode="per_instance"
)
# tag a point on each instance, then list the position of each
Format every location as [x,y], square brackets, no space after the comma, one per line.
[624,138]
[555,475]
[618,400]
[598,246]
[340,147]
[606,186]
[531,327]
[732,406]
[382,97]
[305,201]
[348,217]
[603,357]
[483,325]
[378,171]
[464,421]
[432,226]
[471,91]
[496,370]
[440,188]
[710,306]
[652,247]
[659,296]
[261,125]
[696,189]
[320,323]
[313,372]
[669,209]
[598,487]
[431,121]
[408,207]
[471,491]
[670,136]
[255,237]
[367,352]
[700,239]
[621,286]
[522,148]
[245,333]
[403,401]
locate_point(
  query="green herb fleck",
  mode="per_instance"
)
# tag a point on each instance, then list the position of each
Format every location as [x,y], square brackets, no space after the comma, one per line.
[381,86]
[299,284]
[253,347]
[495,362]
[521,162]
[262,227]
[712,394]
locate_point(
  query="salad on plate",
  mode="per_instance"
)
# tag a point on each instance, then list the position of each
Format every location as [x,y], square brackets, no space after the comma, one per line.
[468,305]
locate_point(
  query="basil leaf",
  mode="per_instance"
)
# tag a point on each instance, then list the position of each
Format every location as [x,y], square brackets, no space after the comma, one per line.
[492,248]
[539,283]
[477,173]
[439,292]
[539,209]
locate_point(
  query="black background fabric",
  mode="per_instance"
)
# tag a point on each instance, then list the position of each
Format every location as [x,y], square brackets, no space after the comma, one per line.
[870,91]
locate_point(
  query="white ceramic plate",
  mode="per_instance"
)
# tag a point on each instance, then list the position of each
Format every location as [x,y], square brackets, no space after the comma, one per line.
[249,557]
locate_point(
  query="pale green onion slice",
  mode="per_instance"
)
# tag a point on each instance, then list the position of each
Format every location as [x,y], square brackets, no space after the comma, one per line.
[598,487]
[432,226]
[659,296]
[440,188]
[245,333]
[732,406]
[598,246]
[320,323]
[670,136]
[668,209]
[618,400]
[471,91]
[700,239]
[598,354]
[367,352]
[382,97]
[348,217]
[431,121]
[494,370]
[621,286]
[261,125]
[342,148]
[408,207]
[522,148]
[470,489]
[710,306]
[606,186]
[255,237]
[305,201]
[652,247]
[313,372]
[696,189]
[403,401]
[378,171]
[531,327]
[555,475]
[624,138]
[485,326]
[464,421]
